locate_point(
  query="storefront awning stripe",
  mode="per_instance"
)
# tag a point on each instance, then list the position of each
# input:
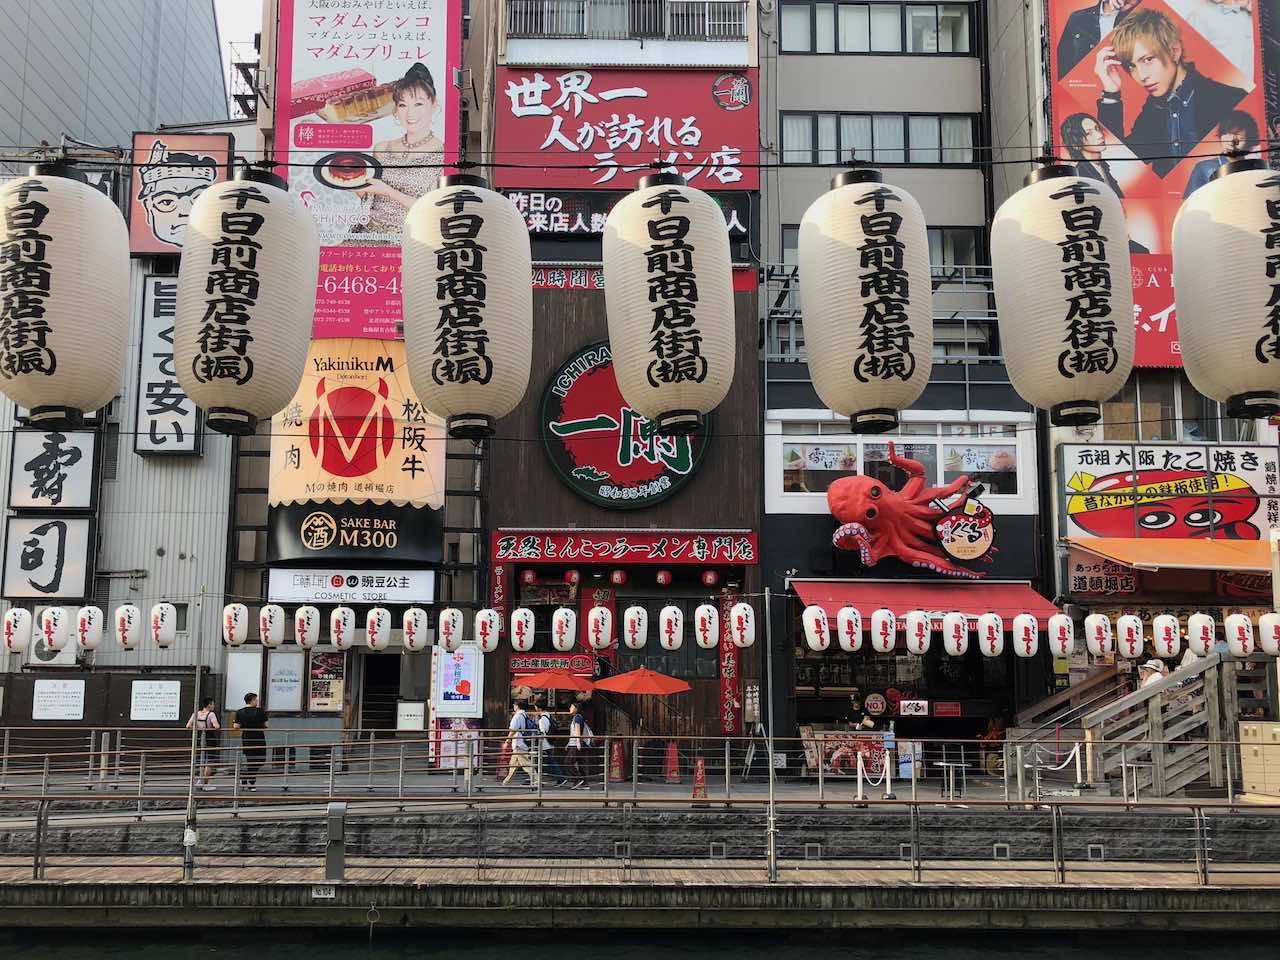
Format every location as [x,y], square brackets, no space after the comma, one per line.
[1008,599]
[1246,556]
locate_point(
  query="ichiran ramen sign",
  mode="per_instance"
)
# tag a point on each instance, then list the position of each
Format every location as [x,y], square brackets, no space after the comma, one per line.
[605,451]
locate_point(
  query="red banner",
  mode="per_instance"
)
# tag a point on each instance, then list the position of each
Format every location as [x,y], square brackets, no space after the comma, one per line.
[1123,73]
[730,681]
[605,128]
[625,546]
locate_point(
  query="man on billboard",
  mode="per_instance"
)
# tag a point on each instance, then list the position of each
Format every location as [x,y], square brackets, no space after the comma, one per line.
[1182,105]
[1085,28]
[171,183]
[1238,135]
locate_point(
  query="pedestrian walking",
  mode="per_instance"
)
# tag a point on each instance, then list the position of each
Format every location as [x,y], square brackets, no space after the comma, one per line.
[205,722]
[580,738]
[251,721]
[519,732]
[550,763]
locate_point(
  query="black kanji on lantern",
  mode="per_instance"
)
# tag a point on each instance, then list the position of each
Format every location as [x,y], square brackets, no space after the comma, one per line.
[232,292]
[674,340]
[1268,346]
[886,286]
[25,283]
[462,343]
[1086,276]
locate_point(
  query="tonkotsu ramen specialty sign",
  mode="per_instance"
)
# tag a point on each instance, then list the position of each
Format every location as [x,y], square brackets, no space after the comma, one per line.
[602,448]
[604,129]
[357,462]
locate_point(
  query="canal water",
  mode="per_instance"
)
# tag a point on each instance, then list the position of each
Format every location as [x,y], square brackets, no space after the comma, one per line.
[242,944]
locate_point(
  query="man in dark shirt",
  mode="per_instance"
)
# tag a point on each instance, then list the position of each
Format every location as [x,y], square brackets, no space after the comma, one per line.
[1182,104]
[1085,28]
[251,721]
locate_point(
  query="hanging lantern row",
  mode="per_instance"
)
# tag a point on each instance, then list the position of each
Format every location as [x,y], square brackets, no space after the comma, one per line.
[1128,639]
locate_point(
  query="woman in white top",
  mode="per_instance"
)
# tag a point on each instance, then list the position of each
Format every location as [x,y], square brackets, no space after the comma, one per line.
[205,722]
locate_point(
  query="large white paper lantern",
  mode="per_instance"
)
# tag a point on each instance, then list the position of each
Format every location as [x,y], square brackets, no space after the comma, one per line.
[742,624]
[1165,635]
[64,327]
[817,632]
[955,634]
[306,627]
[1097,634]
[1240,640]
[246,300]
[867,299]
[164,625]
[1026,635]
[414,632]
[1129,639]
[128,626]
[487,629]
[1062,635]
[671,627]
[849,629]
[377,628]
[668,295]
[55,627]
[1228,287]
[1064,293]
[89,627]
[235,624]
[599,628]
[449,628]
[1269,634]
[468,310]
[17,629]
[884,630]
[918,627]
[342,627]
[564,629]
[635,627]
[522,629]
[991,634]
[271,620]
[706,626]
[1201,634]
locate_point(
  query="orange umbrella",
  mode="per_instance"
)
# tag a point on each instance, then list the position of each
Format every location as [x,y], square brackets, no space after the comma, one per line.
[553,679]
[643,682]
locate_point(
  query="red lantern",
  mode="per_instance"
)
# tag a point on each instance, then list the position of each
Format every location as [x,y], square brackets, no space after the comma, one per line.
[529,578]
[710,578]
[617,577]
[573,577]
[664,578]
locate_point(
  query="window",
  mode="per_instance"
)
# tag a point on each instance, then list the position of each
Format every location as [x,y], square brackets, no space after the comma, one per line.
[881,138]
[871,28]
[812,467]
[1162,405]
[953,247]
[994,465]
[876,461]
[180,621]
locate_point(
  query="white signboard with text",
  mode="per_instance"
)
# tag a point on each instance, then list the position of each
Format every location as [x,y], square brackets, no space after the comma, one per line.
[457,681]
[351,586]
[285,670]
[46,558]
[52,470]
[155,700]
[57,700]
[166,420]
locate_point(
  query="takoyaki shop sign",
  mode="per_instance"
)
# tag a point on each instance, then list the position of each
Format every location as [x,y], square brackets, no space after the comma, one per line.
[602,448]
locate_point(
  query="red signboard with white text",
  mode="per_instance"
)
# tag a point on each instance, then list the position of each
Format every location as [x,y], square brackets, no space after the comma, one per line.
[625,546]
[604,128]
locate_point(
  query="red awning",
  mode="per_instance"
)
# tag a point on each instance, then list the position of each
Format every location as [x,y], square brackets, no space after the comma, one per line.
[1007,599]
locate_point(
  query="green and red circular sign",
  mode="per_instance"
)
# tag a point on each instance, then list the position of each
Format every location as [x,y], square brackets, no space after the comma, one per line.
[605,451]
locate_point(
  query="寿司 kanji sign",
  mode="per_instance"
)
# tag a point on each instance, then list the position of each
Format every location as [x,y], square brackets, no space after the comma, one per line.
[625,546]
[573,128]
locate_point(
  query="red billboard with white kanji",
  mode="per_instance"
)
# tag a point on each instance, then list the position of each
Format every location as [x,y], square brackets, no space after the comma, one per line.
[561,128]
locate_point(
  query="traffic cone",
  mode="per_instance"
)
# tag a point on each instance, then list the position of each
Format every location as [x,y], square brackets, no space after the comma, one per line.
[699,779]
[618,762]
[672,768]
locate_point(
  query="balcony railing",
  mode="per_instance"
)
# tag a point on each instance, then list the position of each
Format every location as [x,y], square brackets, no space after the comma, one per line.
[628,19]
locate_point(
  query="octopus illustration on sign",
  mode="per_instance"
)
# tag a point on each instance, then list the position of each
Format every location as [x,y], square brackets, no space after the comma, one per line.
[926,527]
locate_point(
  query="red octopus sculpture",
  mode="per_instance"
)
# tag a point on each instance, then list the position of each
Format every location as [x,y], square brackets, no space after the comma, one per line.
[880,522]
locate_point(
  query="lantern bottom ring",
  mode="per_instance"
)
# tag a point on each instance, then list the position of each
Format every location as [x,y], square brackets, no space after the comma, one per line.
[1256,404]
[1075,413]
[55,418]
[470,426]
[875,420]
[229,420]
[676,423]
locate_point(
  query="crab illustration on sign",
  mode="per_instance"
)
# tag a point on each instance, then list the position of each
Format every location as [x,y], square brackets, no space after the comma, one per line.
[926,527]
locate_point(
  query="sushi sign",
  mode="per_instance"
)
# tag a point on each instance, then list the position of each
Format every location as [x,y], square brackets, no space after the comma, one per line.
[603,449]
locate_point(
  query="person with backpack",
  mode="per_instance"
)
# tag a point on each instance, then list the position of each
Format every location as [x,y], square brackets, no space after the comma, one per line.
[519,732]
[205,722]
[580,738]
[550,765]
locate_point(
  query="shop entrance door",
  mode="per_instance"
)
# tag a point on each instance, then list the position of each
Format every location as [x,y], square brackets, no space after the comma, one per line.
[380,691]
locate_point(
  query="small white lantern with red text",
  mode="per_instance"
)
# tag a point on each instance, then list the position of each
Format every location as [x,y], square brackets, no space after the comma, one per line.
[522,629]
[884,630]
[849,629]
[377,628]
[449,628]
[1269,634]
[1164,635]
[742,624]
[342,627]
[306,627]
[1129,639]
[55,627]
[1202,633]
[271,625]
[991,634]
[564,629]
[600,628]
[671,627]
[1026,635]
[955,634]
[17,629]
[706,626]
[235,624]
[1062,635]
[1097,634]
[918,627]
[1240,641]
[487,628]
[89,624]
[128,626]
[414,632]
[816,632]
[635,627]
[164,625]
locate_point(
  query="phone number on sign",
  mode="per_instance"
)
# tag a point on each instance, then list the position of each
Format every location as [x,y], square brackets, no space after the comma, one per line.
[361,285]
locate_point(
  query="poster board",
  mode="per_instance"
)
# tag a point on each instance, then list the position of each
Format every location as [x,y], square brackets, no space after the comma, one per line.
[244,675]
[285,671]
[155,701]
[457,681]
[57,699]
[326,681]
